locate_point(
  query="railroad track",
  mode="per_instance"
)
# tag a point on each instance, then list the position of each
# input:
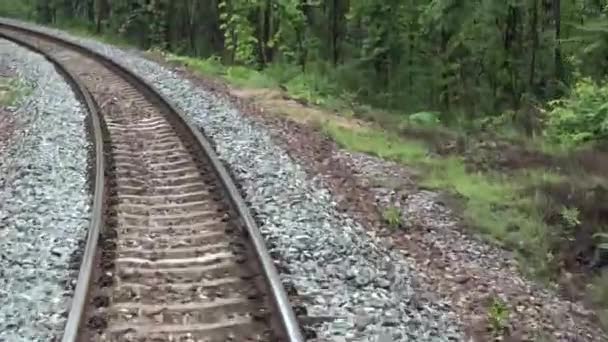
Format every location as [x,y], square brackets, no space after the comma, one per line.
[172,253]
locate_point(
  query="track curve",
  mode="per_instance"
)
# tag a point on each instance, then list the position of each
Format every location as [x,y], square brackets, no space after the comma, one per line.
[179,257]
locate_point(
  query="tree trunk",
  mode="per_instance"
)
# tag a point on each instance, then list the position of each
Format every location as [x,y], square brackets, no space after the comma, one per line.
[103,10]
[44,9]
[534,37]
[445,88]
[559,74]
[335,31]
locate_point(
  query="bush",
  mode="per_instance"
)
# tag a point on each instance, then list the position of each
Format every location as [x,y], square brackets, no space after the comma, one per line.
[580,117]
[425,119]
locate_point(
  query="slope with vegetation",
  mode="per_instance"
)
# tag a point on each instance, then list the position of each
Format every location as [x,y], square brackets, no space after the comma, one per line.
[503,103]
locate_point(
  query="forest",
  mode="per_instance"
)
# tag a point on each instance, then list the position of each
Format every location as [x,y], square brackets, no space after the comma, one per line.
[463,60]
[510,96]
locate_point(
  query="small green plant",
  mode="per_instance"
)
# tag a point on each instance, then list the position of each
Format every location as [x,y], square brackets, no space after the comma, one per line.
[498,315]
[571,217]
[392,216]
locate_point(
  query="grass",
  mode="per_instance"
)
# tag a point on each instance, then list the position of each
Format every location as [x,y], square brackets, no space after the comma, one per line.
[392,217]
[11,90]
[379,143]
[311,87]
[498,315]
[236,75]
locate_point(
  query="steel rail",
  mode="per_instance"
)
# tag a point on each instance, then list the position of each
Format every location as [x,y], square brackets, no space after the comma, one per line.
[248,225]
[95,225]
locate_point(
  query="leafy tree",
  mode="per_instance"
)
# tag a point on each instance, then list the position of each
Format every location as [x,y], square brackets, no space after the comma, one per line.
[478,57]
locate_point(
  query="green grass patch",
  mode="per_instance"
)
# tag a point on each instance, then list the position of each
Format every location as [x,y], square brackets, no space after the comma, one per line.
[309,87]
[237,75]
[379,143]
[392,217]
[11,90]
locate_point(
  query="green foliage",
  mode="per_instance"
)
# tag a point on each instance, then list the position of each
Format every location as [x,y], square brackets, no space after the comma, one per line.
[16,9]
[571,217]
[378,143]
[498,315]
[425,118]
[582,116]
[470,57]
[11,90]
[238,32]
[392,217]
[237,75]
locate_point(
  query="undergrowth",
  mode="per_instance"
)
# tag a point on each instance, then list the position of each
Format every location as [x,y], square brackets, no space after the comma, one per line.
[307,87]
[392,217]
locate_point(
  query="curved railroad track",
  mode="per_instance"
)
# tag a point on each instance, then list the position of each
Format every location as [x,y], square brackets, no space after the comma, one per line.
[172,253]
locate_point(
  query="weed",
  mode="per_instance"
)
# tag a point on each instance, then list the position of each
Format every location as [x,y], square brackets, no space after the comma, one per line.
[425,118]
[392,216]
[11,90]
[570,216]
[498,315]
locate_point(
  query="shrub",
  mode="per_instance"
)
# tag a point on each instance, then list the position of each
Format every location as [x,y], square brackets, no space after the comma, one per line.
[425,118]
[580,117]
[392,216]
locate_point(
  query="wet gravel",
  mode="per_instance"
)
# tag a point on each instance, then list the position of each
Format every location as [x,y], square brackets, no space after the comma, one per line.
[44,201]
[359,290]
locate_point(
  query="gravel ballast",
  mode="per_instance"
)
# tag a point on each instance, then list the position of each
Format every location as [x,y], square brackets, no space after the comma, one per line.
[44,201]
[343,276]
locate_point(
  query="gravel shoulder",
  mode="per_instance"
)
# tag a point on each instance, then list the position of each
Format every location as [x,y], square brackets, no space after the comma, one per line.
[44,200]
[317,206]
